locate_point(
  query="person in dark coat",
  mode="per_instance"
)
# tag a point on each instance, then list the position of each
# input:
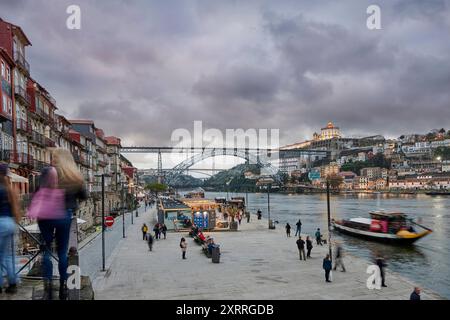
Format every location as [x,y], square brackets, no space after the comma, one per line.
[259,214]
[156,230]
[327,267]
[339,258]
[288,229]
[309,247]
[150,241]
[415,295]
[318,237]
[164,230]
[380,262]
[299,228]
[301,248]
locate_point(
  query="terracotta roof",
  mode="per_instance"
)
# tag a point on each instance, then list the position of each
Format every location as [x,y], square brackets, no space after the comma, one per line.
[112,140]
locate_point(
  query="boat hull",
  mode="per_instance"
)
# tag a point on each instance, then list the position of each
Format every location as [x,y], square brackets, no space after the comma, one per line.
[379,237]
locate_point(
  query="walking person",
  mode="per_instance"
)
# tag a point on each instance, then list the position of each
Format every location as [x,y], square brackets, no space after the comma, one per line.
[144,231]
[150,241]
[299,228]
[248,216]
[339,257]
[309,247]
[259,214]
[415,295]
[318,237]
[60,189]
[156,231]
[183,246]
[164,230]
[288,229]
[239,217]
[9,216]
[301,248]
[327,267]
[381,263]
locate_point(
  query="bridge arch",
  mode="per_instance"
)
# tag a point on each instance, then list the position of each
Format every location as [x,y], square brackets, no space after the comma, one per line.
[209,153]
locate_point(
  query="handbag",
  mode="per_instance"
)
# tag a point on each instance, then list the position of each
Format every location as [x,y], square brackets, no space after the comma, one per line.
[47,204]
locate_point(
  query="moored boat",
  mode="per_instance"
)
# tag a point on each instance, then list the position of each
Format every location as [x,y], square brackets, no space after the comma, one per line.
[390,227]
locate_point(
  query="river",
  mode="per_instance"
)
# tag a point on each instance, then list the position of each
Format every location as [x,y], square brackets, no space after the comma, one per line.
[425,263]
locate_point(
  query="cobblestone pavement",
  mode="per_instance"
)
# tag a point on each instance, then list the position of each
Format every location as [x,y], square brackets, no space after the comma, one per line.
[256,263]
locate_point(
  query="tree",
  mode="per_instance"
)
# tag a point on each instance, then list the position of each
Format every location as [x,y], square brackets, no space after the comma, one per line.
[156,187]
[335,180]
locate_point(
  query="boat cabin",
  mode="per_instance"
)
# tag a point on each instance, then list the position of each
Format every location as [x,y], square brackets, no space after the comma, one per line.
[388,222]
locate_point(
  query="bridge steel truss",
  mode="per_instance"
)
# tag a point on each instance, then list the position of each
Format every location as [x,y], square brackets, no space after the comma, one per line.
[250,155]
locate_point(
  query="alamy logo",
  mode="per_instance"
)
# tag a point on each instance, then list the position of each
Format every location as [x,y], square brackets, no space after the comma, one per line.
[74,278]
[374,280]
[73,22]
[374,20]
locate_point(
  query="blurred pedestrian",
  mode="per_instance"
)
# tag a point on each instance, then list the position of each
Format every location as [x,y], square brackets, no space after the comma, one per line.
[183,246]
[301,248]
[9,215]
[144,230]
[288,229]
[327,267]
[150,241]
[248,216]
[164,230]
[415,295]
[339,257]
[259,214]
[299,228]
[156,231]
[318,237]
[381,263]
[309,247]
[55,222]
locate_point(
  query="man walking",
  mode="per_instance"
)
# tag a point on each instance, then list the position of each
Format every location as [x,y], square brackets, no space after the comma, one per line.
[150,241]
[339,258]
[318,237]
[309,247]
[299,228]
[327,267]
[164,230]
[248,216]
[144,231]
[156,230]
[301,248]
[288,229]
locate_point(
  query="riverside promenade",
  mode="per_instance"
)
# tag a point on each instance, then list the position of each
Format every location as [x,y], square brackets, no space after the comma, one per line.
[255,263]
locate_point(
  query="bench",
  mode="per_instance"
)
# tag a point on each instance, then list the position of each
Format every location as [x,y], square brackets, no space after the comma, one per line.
[205,251]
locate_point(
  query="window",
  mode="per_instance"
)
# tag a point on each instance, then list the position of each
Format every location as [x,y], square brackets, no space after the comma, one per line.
[4,103]
[3,69]
[8,75]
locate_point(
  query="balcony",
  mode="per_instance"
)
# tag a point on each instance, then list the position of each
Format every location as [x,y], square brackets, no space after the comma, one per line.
[37,138]
[24,126]
[76,157]
[22,158]
[38,165]
[102,163]
[49,143]
[21,62]
[5,155]
[22,95]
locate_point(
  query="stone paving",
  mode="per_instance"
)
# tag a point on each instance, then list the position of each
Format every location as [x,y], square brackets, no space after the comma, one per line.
[256,263]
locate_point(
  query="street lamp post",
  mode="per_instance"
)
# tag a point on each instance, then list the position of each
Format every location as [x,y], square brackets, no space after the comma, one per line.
[329,218]
[268,202]
[123,210]
[103,222]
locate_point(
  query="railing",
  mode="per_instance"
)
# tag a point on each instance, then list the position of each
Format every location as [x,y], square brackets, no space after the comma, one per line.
[39,165]
[5,155]
[37,138]
[49,143]
[21,61]
[102,163]
[22,158]
[21,92]
[23,125]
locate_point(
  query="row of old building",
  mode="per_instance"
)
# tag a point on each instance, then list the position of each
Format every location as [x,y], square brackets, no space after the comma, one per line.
[30,126]
[410,161]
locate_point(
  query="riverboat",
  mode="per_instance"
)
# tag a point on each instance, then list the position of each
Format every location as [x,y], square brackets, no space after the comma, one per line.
[389,227]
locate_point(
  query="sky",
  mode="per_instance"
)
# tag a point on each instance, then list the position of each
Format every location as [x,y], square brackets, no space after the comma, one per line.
[142,69]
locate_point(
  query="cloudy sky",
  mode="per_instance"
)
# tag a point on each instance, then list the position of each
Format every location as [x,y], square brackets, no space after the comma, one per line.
[142,69]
